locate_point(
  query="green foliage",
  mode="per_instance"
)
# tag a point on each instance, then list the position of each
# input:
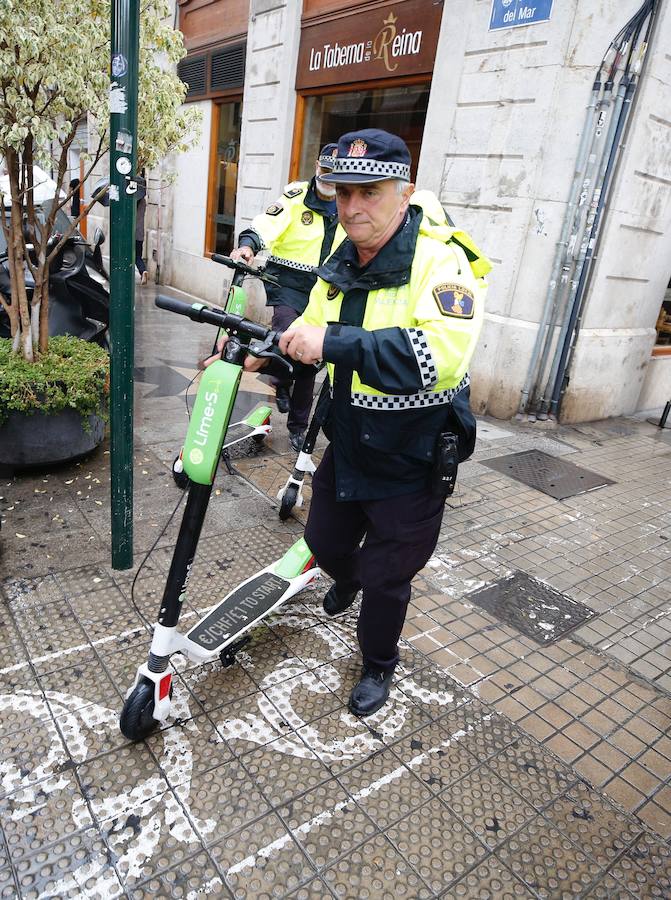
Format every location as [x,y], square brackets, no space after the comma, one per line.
[72,374]
[54,70]
[54,76]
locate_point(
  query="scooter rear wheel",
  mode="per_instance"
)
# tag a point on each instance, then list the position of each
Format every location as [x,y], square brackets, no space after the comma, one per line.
[180,477]
[137,716]
[288,502]
[258,438]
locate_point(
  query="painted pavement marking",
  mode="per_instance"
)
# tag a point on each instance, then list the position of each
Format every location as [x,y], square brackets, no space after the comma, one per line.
[160,805]
[326,814]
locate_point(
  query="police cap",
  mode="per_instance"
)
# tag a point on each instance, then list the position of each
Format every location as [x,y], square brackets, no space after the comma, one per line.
[369,155]
[327,155]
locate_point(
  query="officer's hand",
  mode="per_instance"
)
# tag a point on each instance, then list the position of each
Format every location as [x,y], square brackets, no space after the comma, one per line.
[305,343]
[252,364]
[215,356]
[246,254]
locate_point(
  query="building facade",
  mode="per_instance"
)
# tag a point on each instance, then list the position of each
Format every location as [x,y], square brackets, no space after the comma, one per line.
[493,98]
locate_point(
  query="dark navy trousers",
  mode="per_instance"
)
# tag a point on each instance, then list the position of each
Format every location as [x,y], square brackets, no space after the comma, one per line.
[300,403]
[399,535]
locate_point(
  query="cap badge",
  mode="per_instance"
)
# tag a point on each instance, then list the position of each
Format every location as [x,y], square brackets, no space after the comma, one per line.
[357,148]
[307,217]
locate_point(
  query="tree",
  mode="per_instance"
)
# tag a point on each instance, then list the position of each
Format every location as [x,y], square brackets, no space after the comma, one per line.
[54,74]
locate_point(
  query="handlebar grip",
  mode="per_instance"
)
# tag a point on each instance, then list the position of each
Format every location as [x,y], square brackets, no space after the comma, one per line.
[174,305]
[199,312]
[224,260]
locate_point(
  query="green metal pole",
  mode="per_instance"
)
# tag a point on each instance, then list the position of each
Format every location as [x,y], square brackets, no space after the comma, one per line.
[123,147]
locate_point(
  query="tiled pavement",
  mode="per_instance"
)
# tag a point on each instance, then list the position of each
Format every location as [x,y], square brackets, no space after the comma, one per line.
[502,767]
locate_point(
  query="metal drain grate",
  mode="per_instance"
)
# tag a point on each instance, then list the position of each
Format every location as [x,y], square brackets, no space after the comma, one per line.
[546,473]
[536,610]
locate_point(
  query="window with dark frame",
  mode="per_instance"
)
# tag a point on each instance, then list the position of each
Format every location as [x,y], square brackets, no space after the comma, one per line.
[400,109]
[224,177]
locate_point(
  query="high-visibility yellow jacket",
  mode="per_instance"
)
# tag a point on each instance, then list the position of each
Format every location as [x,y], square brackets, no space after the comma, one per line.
[300,230]
[400,334]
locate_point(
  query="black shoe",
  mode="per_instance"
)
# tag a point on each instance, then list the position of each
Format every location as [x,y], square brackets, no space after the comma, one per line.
[335,604]
[371,693]
[296,439]
[282,398]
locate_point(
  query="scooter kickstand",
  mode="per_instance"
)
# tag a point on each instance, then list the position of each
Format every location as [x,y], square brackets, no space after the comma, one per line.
[227,655]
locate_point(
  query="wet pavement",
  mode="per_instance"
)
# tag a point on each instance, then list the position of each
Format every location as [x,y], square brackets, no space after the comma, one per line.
[514,759]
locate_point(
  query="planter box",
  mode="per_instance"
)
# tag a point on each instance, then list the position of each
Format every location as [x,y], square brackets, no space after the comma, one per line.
[39,439]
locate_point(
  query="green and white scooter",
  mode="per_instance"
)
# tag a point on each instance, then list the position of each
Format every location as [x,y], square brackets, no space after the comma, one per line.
[222,630]
[256,424]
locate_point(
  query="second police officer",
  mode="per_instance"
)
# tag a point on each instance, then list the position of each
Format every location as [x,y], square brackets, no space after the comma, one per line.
[300,230]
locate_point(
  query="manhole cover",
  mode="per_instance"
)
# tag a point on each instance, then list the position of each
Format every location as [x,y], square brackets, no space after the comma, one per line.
[546,473]
[536,610]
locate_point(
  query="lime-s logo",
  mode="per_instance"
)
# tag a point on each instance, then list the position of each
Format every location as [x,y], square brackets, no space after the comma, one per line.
[211,398]
[196,456]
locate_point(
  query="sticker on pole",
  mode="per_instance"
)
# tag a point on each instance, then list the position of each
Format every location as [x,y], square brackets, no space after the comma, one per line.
[124,142]
[118,102]
[123,165]
[119,65]
[513,13]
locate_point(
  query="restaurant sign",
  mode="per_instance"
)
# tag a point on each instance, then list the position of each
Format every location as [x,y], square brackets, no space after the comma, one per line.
[395,39]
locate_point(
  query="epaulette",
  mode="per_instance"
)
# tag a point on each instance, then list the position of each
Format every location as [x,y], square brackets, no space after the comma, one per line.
[291,192]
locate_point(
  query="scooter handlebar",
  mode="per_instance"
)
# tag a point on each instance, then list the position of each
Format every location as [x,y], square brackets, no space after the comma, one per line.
[199,312]
[243,268]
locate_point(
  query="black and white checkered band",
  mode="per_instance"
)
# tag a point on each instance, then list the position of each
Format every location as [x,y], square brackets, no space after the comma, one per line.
[290,264]
[408,401]
[427,368]
[326,162]
[362,166]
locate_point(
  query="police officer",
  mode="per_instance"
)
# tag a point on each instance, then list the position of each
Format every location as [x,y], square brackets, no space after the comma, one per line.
[395,313]
[299,230]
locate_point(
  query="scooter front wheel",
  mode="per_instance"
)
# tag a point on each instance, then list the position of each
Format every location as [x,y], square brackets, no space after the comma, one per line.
[289,498]
[180,477]
[137,716]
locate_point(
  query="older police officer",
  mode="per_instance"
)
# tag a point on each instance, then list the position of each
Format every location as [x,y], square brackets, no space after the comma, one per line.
[396,314]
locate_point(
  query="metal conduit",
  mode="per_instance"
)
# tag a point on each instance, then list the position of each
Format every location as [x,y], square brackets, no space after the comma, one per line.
[536,364]
[600,161]
[574,252]
[625,106]
[576,248]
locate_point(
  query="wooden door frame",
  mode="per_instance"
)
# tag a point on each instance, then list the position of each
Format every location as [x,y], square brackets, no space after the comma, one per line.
[215,120]
[210,209]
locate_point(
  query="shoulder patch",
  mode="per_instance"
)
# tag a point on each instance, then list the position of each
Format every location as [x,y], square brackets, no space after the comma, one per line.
[274,209]
[293,192]
[454,300]
[307,218]
[332,292]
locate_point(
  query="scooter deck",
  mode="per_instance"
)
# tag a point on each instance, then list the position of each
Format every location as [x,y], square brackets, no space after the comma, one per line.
[239,611]
[238,431]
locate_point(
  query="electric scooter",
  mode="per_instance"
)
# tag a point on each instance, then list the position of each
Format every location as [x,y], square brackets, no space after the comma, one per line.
[256,424]
[291,494]
[223,629]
